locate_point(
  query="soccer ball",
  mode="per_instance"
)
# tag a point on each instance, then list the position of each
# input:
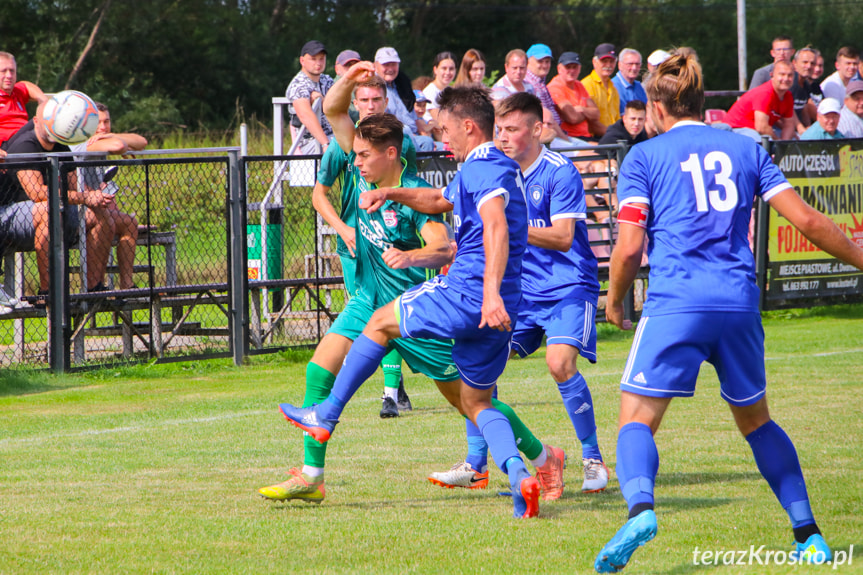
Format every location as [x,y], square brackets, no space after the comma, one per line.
[70,117]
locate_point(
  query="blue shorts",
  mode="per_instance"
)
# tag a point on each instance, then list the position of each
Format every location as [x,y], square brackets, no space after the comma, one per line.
[568,322]
[668,350]
[432,310]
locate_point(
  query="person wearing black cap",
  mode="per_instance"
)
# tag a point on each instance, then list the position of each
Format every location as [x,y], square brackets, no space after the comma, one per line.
[602,90]
[308,85]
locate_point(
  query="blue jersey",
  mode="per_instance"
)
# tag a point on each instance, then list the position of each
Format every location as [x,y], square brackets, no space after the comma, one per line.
[699,184]
[555,192]
[486,174]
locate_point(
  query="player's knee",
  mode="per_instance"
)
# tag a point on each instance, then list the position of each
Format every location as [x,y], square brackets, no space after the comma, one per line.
[561,366]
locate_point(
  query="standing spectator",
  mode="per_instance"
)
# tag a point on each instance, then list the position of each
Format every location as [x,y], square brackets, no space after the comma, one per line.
[601,89]
[570,97]
[656,58]
[757,112]
[400,95]
[630,127]
[345,60]
[781,50]
[626,80]
[538,65]
[847,61]
[472,69]
[851,116]
[828,121]
[444,73]
[515,68]
[308,85]
[123,226]
[14,95]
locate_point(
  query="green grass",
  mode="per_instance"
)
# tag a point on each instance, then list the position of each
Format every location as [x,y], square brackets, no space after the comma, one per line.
[155,468]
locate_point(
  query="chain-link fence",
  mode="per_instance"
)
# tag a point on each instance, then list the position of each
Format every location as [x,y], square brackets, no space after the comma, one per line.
[188,257]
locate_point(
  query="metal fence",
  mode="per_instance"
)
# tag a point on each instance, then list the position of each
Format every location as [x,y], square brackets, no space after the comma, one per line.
[202,253]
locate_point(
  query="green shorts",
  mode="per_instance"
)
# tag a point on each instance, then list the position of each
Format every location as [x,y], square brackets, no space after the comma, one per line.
[349,272]
[430,357]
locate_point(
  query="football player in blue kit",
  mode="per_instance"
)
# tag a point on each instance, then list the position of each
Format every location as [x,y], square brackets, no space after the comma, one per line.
[559,284]
[475,304]
[691,191]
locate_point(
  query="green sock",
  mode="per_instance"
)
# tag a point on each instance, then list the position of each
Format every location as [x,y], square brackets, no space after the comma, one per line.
[319,382]
[525,440]
[391,365]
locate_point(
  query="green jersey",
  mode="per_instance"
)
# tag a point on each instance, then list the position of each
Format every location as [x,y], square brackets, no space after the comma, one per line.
[334,167]
[392,226]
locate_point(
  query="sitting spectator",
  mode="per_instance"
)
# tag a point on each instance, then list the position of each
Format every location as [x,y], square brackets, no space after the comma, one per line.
[818,68]
[424,128]
[538,66]
[14,95]
[308,85]
[571,99]
[345,60]
[847,60]
[444,74]
[656,58]
[851,116]
[803,89]
[828,122]
[472,69]
[757,111]
[626,80]
[124,226]
[601,89]
[400,95]
[782,49]
[24,224]
[629,128]
[515,68]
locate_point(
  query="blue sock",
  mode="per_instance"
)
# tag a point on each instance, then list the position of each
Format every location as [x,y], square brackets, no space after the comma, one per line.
[579,406]
[361,362]
[778,463]
[637,465]
[498,434]
[477,448]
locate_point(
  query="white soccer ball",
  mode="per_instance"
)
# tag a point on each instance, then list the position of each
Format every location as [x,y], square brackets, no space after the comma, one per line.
[70,117]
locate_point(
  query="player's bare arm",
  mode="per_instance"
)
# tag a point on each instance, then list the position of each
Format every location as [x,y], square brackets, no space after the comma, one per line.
[435,254]
[323,206]
[338,101]
[818,228]
[423,200]
[625,261]
[557,237]
[495,239]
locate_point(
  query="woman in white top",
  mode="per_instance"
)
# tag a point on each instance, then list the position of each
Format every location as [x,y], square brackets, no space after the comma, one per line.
[444,74]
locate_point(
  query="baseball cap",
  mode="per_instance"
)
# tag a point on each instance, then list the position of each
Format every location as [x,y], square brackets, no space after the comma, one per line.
[604,51]
[829,106]
[346,56]
[421,97]
[312,48]
[387,55]
[657,57]
[853,86]
[539,51]
[569,58]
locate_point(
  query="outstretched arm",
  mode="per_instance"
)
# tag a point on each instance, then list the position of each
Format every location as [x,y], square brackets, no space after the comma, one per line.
[435,254]
[424,200]
[817,227]
[338,101]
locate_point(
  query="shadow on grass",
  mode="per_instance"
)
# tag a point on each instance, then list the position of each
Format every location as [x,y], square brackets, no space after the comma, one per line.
[847,311]
[669,479]
[13,382]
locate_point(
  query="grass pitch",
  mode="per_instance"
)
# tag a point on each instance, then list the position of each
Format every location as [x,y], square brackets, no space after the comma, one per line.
[155,469]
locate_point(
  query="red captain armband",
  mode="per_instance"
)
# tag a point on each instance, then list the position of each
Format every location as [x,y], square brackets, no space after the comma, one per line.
[633,215]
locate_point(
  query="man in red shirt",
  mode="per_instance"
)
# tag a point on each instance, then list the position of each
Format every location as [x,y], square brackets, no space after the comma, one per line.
[571,98]
[14,96]
[768,106]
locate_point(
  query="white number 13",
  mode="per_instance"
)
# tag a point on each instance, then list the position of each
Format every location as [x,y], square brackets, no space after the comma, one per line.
[693,167]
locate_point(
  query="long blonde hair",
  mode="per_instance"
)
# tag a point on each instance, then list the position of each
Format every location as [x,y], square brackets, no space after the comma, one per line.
[678,84]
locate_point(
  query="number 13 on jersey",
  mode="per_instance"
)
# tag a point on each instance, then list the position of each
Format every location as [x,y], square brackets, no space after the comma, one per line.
[720,163]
